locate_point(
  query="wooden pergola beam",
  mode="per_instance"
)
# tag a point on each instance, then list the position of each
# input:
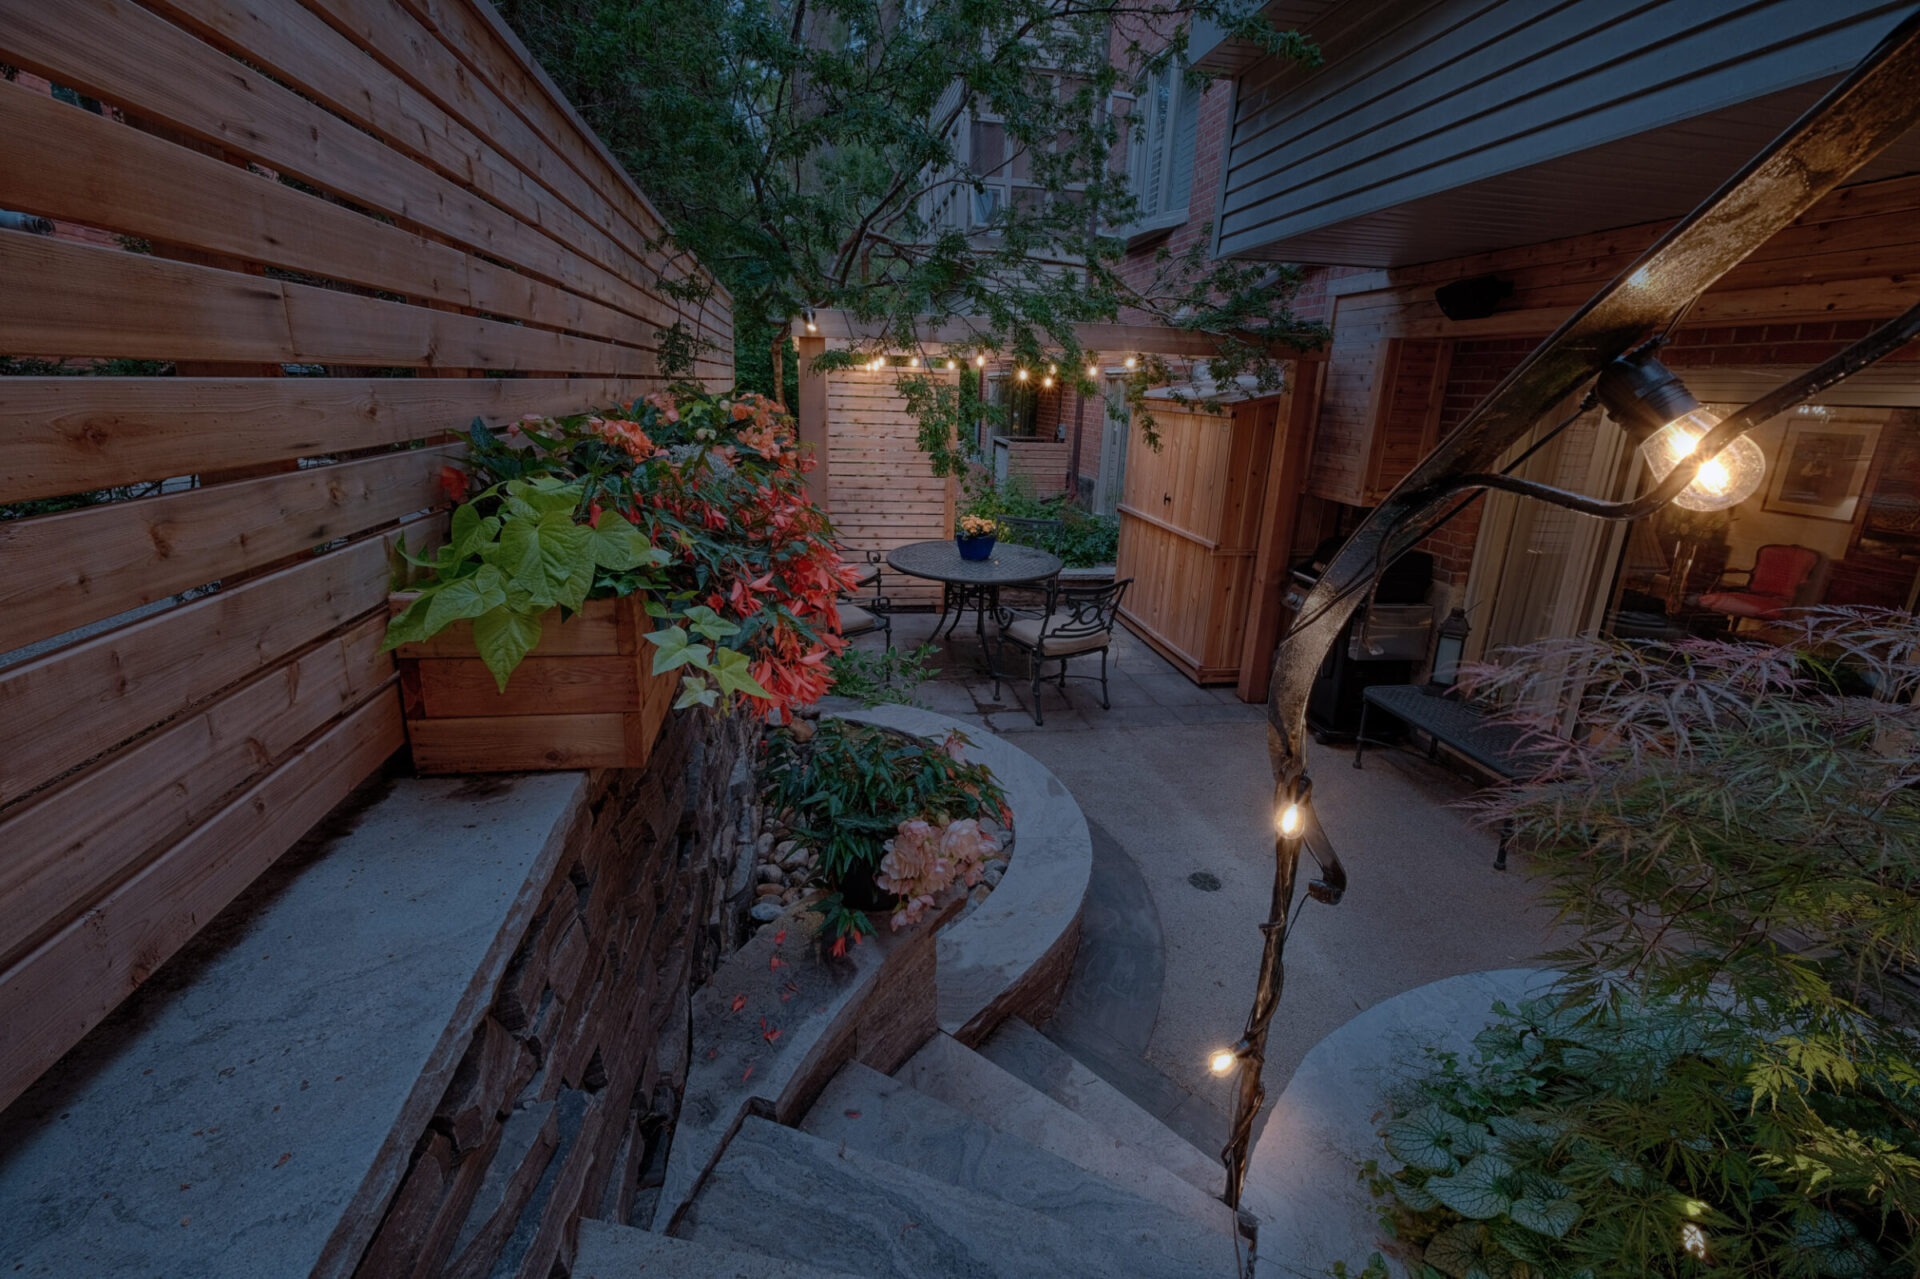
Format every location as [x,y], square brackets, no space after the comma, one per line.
[840,330]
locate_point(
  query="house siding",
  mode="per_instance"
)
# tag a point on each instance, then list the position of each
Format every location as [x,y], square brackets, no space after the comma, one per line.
[1424,97]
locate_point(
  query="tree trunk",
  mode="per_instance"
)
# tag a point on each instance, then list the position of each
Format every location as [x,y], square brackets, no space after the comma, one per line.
[780,362]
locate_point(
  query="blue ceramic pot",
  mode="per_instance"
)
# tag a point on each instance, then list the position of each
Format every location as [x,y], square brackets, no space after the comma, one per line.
[975,548]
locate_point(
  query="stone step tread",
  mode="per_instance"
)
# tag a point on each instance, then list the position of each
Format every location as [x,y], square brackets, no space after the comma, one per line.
[951,1073]
[892,1120]
[785,1192]
[612,1251]
[1027,1054]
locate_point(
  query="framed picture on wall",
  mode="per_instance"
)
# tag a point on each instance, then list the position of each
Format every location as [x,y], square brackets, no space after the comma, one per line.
[1821,468]
[1890,515]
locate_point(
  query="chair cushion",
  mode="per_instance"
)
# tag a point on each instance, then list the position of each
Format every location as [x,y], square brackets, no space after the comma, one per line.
[864,575]
[1030,631]
[1737,604]
[855,620]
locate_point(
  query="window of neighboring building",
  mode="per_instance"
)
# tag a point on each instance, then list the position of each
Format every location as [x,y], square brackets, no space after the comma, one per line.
[1160,150]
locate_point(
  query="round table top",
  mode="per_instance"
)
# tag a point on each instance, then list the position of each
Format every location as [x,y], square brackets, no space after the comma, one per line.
[941,562]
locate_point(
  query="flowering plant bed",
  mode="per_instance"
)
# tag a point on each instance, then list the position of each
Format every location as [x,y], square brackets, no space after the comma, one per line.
[891,823]
[671,541]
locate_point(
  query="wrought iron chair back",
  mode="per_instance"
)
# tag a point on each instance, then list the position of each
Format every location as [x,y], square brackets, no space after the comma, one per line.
[1080,612]
[1022,530]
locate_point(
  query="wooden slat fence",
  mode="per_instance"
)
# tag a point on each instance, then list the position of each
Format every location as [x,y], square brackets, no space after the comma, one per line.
[334,231]
[883,492]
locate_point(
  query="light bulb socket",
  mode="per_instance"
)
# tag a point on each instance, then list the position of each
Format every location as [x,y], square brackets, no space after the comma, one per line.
[1642,394]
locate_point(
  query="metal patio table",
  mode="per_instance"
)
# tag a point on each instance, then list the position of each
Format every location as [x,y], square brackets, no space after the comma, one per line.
[972,584]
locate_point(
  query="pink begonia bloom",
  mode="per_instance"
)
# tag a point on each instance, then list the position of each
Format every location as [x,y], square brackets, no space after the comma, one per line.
[922,862]
[955,745]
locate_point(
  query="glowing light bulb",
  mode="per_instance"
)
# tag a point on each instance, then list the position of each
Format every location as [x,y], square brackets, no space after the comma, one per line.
[913,361]
[1221,1061]
[953,364]
[979,361]
[1726,479]
[1093,371]
[1022,375]
[1046,381]
[812,327]
[1292,820]
[1131,362]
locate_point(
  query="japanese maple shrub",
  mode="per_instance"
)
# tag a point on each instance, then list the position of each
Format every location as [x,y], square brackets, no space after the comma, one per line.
[697,500]
[1727,1080]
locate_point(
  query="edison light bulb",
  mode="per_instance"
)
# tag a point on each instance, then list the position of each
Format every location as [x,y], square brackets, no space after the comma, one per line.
[1131,361]
[1222,1061]
[913,362]
[1093,371]
[1022,375]
[953,364]
[1726,479]
[1292,820]
[1046,381]
[979,361]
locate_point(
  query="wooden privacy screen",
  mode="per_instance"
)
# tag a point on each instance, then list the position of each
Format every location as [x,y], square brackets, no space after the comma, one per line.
[882,490]
[295,243]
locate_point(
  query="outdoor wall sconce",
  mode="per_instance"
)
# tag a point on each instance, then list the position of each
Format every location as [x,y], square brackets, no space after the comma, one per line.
[806,313]
[1647,398]
[1449,646]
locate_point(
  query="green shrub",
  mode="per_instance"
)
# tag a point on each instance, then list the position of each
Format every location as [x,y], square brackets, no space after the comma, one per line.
[1084,540]
[875,677]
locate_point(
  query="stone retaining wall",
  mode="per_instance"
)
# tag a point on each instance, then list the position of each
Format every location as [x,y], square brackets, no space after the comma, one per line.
[575,1074]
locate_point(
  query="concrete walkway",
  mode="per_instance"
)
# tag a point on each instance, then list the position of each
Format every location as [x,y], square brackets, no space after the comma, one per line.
[1174,779]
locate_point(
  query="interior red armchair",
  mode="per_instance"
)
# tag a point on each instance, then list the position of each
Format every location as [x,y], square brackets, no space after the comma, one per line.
[1774,583]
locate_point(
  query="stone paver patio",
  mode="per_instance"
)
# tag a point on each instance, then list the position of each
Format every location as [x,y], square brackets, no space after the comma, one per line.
[1175,785]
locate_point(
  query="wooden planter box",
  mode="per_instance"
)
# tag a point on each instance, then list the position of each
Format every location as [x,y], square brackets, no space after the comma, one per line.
[584,697]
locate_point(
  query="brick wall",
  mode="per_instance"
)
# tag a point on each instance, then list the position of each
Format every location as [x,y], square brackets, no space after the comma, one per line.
[575,1074]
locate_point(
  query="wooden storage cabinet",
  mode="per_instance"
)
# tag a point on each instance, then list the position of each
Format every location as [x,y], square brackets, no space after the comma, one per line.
[1190,521]
[585,697]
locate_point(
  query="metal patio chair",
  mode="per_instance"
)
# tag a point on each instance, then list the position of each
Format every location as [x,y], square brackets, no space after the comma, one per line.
[1076,621]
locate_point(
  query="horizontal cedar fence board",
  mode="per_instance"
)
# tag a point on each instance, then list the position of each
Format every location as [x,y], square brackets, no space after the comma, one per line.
[301,50]
[63,850]
[60,990]
[61,162]
[131,58]
[90,697]
[489,50]
[93,301]
[61,435]
[80,566]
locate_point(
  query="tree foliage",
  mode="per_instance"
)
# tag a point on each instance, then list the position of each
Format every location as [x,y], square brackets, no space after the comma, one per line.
[798,148]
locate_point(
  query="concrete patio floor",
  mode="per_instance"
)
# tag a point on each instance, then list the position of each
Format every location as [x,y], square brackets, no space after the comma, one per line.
[1175,783]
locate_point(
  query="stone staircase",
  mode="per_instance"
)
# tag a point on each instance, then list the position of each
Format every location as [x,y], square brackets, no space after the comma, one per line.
[1012,1160]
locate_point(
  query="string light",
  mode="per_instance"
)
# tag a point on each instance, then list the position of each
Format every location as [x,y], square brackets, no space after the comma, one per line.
[1021,374]
[953,364]
[1131,362]
[913,361]
[1093,371]
[979,361]
[1046,381]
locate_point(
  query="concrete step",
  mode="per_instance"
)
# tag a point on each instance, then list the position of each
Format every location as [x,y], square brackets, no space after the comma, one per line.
[787,1193]
[1024,1052]
[610,1251]
[867,1111]
[956,1075]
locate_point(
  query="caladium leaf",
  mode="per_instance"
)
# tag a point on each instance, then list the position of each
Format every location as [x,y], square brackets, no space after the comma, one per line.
[1550,1217]
[1475,1191]
[503,638]
[1427,1139]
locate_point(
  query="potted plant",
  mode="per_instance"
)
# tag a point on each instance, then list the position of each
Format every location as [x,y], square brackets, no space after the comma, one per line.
[892,820]
[975,536]
[604,568]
